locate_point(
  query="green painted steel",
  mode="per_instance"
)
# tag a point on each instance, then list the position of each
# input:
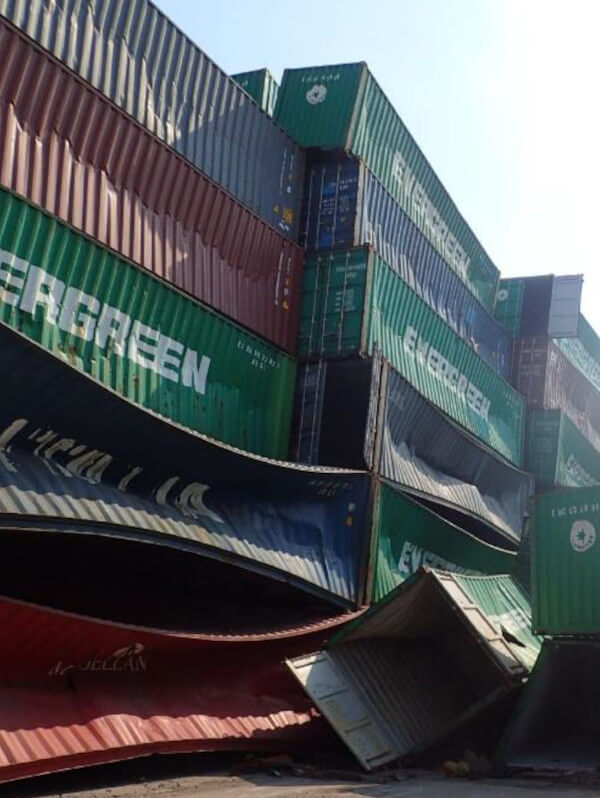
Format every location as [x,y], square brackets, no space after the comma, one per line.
[408,535]
[565,559]
[343,107]
[558,454]
[509,305]
[583,351]
[261,86]
[418,343]
[139,336]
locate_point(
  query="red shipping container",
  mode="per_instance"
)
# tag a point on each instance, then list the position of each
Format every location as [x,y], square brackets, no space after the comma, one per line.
[68,149]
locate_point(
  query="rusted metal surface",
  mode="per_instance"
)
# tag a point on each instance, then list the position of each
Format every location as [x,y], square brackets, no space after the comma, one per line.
[68,149]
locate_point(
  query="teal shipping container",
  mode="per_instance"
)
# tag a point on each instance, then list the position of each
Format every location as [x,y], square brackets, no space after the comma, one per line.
[558,454]
[343,108]
[353,302]
[261,86]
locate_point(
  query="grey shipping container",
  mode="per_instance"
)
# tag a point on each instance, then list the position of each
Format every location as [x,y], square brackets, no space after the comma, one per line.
[549,381]
[547,305]
[360,413]
[138,58]
[344,205]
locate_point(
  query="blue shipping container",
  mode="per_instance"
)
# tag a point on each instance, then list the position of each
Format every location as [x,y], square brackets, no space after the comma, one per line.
[344,206]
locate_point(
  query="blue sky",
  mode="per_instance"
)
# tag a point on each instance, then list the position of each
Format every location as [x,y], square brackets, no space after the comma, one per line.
[502,96]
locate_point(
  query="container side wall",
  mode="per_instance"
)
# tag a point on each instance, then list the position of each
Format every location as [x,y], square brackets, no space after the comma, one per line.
[583,351]
[138,336]
[261,86]
[137,57]
[558,454]
[509,305]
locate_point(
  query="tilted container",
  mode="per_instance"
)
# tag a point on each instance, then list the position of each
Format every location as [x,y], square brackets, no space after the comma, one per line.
[65,147]
[132,53]
[342,107]
[261,86]
[547,305]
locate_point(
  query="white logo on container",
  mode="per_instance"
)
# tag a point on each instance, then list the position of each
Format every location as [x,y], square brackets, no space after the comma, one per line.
[502,295]
[316,94]
[583,535]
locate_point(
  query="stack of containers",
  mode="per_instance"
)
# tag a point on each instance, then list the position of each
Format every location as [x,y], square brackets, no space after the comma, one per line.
[556,366]
[402,365]
[147,214]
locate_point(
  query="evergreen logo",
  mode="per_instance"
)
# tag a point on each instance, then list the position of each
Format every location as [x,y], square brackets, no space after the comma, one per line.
[583,535]
[316,94]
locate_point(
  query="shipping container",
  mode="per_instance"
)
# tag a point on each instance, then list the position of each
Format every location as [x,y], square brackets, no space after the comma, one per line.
[139,59]
[139,336]
[583,351]
[360,413]
[408,536]
[343,108]
[163,483]
[346,206]
[565,562]
[557,454]
[354,303]
[547,305]
[68,149]
[549,381]
[261,86]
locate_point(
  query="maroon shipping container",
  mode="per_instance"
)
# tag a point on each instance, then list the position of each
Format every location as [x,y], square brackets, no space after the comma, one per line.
[548,380]
[71,151]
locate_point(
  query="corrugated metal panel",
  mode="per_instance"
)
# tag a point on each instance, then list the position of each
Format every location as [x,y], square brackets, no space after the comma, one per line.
[134,55]
[546,305]
[583,351]
[346,206]
[423,451]
[57,148]
[261,86]
[549,381]
[343,107]
[563,319]
[139,336]
[409,536]
[565,562]
[555,725]
[508,310]
[389,685]
[353,302]
[557,452]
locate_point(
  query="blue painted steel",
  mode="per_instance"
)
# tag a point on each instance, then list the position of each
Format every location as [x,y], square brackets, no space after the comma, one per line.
[345,205]
[137,474]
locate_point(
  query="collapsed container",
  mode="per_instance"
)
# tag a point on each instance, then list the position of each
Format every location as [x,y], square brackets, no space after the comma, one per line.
[407,536]
[261,86]
[549,381]
[556,724]
[557,454]
[342,107]
[346,206]
[434,654]
[132,475]
[139,336]
[540,306]
[565,558]
[353,302]
[65,147]
[141,61]
[361,413]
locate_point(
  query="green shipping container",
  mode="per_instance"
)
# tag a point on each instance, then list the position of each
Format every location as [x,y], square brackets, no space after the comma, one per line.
[558,454]
[343,107]
[509,305]
[565,559]
[583,351]
[408,536]
[138,336]
[354,303]
[261,86]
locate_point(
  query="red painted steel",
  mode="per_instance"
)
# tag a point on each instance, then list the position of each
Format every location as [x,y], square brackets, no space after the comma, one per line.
[77,691]
[70,150]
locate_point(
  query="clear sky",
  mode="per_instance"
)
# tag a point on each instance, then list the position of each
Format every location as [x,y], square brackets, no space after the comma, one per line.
[503,96]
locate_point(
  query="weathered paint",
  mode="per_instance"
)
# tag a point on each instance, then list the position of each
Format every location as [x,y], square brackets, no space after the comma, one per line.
[343,107]
[409,536]
[139,336]
[354,303]
[557,454]
[346,206]
[261,86]
[58,148]
[565,556]
[139,59]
